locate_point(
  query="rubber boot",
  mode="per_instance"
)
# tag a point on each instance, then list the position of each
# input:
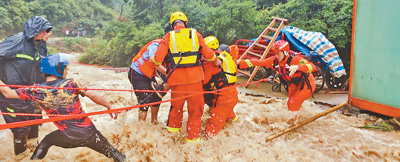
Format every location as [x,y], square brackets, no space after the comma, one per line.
[20,142]
[34,132]
[118,156]
[39,152]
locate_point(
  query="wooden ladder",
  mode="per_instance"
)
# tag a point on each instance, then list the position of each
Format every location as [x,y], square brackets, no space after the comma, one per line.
[263,35]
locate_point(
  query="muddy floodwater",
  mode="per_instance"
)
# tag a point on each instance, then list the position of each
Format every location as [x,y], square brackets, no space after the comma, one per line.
[334,137]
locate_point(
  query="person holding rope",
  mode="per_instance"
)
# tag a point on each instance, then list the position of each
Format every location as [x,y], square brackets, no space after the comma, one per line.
[20,55]
[295,71]
[222,78]
[183,48]
[78,132]
[141,74]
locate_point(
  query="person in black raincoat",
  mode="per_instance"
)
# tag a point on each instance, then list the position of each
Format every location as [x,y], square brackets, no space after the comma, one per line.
[20,56]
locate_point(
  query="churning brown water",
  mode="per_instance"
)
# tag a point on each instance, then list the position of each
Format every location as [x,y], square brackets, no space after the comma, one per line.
[334,137]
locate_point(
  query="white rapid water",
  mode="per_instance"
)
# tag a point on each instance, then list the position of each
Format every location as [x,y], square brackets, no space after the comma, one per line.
[334,137]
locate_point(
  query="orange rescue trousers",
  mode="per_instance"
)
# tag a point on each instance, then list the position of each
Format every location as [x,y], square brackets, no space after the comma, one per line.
[226,99]
[195,106]
[297,96]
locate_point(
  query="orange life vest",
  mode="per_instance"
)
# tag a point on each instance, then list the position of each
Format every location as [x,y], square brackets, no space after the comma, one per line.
[146,67]
[298,78]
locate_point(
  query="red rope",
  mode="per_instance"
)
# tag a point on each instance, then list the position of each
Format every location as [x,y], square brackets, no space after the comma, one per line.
[66,117]
[118,110]
[70,88]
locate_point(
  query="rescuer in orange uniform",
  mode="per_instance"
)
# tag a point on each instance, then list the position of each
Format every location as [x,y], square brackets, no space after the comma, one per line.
[222,78]
[183,48]
[234,51]
[301,84]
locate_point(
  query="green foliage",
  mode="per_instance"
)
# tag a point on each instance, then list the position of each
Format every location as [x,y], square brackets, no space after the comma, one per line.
[98,54]
[72,14]
[263,4]
[76,44]
[378,125]
[228,20]
[13,16]
[6,20]
[331,17]
[234,20]
[108,3]
[143,20]
[121,41]
[88,14]
[147,11]
[51,50]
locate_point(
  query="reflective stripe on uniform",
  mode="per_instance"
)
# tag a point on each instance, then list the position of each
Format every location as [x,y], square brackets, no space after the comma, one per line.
[284,45]
[309,68]
[173,130]
[248,63]
[193,140]
[174,42]
[183,40]
[235,119]
[228,66]
[25,56]
[212,59]
[155,62]
[193,41]
[11,111]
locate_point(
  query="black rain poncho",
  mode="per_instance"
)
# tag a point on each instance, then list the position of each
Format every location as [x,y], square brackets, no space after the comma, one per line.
[20,57]
[20,54]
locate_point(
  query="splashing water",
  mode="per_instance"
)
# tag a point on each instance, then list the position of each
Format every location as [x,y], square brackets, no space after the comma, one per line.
[330,138]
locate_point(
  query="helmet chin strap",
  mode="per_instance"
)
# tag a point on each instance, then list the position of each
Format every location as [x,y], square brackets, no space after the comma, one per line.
[285,53]
[173,25]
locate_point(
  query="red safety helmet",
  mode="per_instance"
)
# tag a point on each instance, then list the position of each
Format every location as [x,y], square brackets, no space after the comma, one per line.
[280,45]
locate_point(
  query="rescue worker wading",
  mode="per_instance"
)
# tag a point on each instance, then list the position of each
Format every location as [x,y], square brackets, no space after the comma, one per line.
[20,55]
[141,74]
[301,84]
[223,77]
[184,47]
[71,133]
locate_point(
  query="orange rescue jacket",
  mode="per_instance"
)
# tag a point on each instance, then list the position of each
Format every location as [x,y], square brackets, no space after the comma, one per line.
[146,68]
